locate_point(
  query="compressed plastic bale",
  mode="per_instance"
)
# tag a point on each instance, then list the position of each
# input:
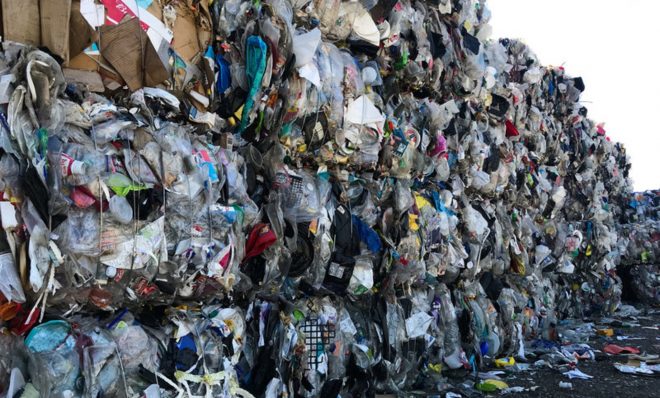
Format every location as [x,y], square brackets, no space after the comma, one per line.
[418,154]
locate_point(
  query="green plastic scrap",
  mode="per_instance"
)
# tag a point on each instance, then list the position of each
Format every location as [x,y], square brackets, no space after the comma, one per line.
[122,185]
[491,385]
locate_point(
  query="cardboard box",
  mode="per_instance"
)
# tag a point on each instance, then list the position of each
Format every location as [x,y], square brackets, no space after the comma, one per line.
[55,16]
[83,62]
[21,21]
[91,79]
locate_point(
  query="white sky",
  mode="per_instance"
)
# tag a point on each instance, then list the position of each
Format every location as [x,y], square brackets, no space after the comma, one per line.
[613,45]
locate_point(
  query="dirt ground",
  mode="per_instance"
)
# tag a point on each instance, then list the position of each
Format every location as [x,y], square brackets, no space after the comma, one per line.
[643,333]
[607,380]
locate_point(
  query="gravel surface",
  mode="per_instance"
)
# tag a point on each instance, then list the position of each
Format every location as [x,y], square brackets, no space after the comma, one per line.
[607,380]
[642,332]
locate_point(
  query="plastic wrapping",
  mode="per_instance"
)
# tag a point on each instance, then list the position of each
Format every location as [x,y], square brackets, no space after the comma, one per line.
[316,199]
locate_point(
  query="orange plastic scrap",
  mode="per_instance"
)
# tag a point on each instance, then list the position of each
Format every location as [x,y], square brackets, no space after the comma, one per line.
[605,332]
[615,349]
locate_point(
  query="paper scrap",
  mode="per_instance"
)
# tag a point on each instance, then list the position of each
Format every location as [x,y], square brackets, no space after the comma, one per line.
[118,9]
[93,13]
[305,45]
[577,374]
[418,324]
[363,111]
[311,73]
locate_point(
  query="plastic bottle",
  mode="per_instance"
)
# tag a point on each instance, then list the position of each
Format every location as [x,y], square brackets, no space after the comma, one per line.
[70,166]
[121,210]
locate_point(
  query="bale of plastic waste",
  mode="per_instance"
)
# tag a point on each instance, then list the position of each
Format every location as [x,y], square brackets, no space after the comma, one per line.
[285,198]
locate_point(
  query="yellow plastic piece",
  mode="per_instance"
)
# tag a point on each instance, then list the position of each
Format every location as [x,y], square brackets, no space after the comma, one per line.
[605,332]
[505,362]
[412,222]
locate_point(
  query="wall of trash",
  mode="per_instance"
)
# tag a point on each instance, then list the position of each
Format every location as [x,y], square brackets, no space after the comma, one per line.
[288,198]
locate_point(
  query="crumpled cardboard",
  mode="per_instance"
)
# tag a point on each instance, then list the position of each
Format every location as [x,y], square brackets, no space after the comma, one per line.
[128,49]
[192,29]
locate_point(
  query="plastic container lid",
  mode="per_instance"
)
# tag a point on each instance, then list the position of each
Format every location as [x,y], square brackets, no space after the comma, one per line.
[47,336]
